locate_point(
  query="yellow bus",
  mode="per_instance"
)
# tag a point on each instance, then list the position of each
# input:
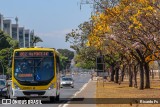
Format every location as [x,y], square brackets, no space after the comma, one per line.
[35,73]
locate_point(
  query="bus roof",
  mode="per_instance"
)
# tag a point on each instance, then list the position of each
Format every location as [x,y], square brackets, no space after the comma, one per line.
[37,49]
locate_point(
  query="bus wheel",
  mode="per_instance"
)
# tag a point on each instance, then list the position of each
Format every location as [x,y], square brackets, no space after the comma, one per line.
[57,97]
[52,99]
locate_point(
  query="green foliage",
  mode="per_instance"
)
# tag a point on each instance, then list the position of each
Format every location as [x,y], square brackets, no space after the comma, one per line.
[36,39]
[63,61]
[88,54]
[67,53]
[85,57]
[7,45]
[86,64]
[65,56]
[78,37]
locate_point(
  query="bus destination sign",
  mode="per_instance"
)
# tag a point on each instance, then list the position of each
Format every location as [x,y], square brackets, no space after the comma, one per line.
[33,54]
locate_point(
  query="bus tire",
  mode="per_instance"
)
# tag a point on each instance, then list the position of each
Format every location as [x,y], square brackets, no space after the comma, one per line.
[57,97]
[52,99]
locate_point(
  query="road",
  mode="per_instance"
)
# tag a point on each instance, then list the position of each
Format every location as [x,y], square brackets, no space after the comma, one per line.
[66,93]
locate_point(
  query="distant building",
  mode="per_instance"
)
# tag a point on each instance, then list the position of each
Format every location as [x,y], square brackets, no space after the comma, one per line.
[31,38]
[27,38]
[1,22]
[21,37]
[7,26]
[15,32]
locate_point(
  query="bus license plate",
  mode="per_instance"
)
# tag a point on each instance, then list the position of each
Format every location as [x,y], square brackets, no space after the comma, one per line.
[34,95]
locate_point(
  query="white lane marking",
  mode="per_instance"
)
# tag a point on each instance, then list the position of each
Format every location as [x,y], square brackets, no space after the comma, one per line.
[60,105]
[82,88]
[63,105]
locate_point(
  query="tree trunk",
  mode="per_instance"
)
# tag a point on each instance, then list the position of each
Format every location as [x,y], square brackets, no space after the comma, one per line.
[130,76]
[116,75]
[135,76]
[112,73]
[152,73]
[147,83]
[123,73]
[159,68]
[141,76]
[159,74]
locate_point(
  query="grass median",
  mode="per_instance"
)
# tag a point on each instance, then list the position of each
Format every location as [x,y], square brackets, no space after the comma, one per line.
[112,91]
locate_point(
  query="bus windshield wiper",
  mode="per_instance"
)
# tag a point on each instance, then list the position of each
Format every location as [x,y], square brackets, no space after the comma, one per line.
[40,61]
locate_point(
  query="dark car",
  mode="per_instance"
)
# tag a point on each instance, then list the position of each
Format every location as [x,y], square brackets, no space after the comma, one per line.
[67,82]
[4,88]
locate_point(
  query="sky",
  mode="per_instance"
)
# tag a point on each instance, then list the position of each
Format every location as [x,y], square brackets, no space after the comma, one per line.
[51,20]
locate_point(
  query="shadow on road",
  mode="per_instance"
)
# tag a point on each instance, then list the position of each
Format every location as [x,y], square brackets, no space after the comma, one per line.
[61,101]
[64,101]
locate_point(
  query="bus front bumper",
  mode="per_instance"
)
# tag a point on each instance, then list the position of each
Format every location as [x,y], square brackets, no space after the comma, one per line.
[34,93]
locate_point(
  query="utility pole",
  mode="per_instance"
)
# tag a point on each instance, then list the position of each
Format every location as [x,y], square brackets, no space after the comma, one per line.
[97,5]
[100,5]
[88,2]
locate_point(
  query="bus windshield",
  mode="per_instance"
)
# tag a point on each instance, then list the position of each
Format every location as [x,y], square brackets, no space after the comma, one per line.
[34,69]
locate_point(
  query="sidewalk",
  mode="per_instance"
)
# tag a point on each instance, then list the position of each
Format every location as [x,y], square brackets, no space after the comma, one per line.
[85,97]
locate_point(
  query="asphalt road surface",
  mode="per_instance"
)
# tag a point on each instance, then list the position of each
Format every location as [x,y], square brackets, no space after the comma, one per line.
[65,96]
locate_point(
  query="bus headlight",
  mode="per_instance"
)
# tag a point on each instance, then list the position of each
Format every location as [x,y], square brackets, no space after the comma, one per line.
[51,87]
[16,86]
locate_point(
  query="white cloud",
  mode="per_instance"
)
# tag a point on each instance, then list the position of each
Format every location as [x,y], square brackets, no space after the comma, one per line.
[57,33]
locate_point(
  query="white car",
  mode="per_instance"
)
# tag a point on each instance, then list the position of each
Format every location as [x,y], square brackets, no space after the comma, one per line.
[67,82]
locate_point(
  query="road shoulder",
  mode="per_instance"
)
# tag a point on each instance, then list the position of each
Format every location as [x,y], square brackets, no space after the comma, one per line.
[85,97]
